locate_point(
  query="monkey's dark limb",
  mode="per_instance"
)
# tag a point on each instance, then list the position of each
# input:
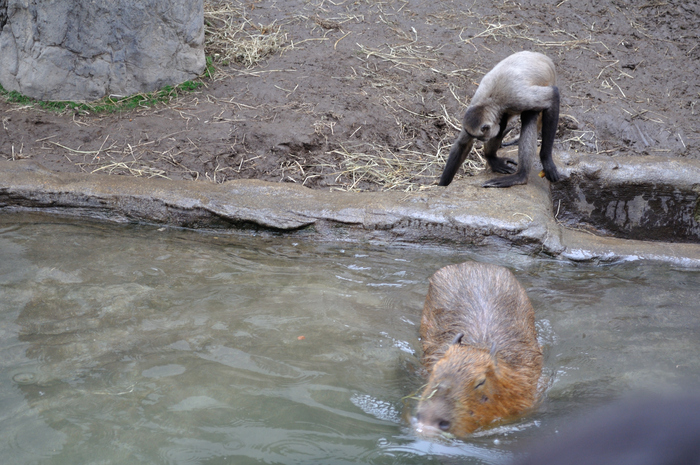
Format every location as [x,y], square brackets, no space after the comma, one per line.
[502,165]
[513,142]
[507,181]
[550,120]
[499,165]
[458,153]
[527,145]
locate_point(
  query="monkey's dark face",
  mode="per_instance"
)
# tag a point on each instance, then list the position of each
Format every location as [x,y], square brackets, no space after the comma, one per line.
[480,124]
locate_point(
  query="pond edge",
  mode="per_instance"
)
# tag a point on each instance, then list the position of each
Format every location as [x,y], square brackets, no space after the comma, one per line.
[462,214]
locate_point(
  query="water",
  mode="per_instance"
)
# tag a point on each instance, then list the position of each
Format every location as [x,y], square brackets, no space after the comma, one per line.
[129,345]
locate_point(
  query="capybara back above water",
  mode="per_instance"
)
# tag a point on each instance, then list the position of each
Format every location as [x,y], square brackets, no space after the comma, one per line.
[480,350]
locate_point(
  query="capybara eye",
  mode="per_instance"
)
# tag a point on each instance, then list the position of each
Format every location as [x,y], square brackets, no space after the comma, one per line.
[485,128]
[444,425]
[480,383]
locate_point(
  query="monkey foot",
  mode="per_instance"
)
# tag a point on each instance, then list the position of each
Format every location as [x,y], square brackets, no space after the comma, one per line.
[506,181]
[552,174]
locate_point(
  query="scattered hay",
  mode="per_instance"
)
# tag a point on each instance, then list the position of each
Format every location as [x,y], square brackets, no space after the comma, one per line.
[408,55]
[498,31]
[406,170]
[112,160]
[231,37]
[132,167]
[325,23]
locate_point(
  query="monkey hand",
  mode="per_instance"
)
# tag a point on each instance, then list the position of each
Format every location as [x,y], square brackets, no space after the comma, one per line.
[502,165]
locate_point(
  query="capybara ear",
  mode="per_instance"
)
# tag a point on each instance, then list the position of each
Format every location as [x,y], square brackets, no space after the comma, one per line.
[458,339]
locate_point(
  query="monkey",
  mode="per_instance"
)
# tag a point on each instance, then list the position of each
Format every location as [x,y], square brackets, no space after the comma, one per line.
[522,84]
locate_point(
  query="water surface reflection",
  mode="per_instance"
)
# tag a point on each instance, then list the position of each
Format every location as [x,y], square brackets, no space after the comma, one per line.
[128,344]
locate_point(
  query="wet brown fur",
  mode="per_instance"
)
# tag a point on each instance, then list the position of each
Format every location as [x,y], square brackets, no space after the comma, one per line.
[492,374]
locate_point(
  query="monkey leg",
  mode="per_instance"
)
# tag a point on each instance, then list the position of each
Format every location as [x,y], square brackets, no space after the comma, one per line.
[499,165]
[550,120]
[513,142]
[527,145]
[517,139]
[458,153]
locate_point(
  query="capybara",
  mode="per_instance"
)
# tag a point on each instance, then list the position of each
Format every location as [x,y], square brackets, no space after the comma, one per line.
[480,350]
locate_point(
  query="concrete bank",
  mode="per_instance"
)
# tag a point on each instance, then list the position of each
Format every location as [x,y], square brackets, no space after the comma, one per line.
[464,213]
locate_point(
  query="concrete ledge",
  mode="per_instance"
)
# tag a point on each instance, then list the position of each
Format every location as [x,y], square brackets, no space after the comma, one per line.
[463,213]
[641,198]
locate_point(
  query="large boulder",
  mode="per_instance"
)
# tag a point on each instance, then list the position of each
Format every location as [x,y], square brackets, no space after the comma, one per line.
[84,50]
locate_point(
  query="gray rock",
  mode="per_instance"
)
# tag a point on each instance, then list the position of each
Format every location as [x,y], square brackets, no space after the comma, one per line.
[76,50]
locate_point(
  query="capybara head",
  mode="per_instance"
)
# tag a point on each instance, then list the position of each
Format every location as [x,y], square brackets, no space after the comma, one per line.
[480,350]
[460,394]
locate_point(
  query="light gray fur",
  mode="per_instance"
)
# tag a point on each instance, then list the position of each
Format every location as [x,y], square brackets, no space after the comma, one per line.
[522,84]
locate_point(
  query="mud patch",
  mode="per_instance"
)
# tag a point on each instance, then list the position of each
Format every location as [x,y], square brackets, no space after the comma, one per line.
[368,95]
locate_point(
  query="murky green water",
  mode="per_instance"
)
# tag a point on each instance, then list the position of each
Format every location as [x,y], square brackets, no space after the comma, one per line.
[128,345]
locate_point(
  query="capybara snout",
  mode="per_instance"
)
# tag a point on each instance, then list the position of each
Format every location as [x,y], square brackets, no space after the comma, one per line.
[480,350]
[459,386]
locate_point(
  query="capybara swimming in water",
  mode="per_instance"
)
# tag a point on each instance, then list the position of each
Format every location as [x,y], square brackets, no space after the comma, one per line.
[480,349]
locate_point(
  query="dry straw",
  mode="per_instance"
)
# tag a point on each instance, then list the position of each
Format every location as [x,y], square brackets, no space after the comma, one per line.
[231,37]
[400,169]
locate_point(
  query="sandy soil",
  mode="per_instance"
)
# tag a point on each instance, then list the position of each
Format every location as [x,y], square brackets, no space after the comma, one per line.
[366,95]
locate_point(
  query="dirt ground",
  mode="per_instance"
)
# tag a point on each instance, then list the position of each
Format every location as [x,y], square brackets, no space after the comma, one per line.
[367,95]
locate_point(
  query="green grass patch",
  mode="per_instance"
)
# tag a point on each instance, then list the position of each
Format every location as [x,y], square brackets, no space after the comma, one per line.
[107,104]
[210,68]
